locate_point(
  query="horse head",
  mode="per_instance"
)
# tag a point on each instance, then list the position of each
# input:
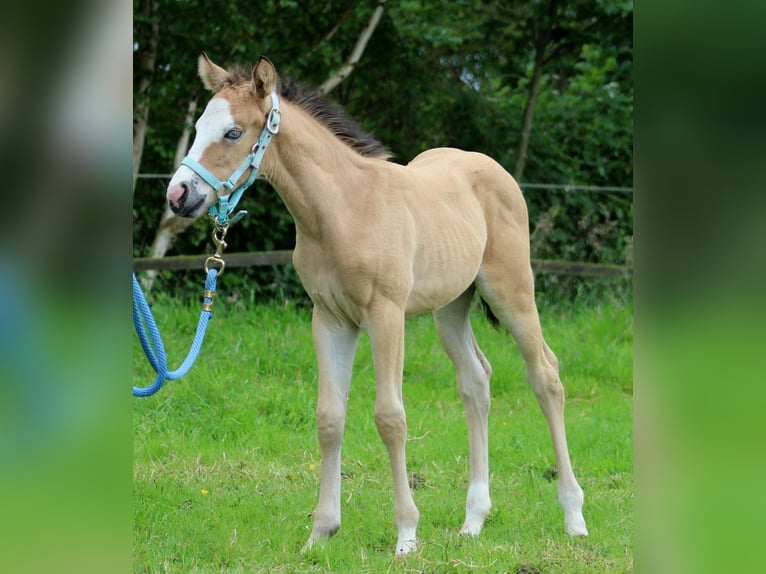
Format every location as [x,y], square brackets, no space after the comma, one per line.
[228,134]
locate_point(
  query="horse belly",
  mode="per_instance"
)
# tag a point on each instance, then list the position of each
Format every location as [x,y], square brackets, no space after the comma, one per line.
[451,233]
[442,274]
[425,300]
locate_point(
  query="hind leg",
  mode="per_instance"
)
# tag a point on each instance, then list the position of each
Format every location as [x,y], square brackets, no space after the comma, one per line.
[473,372]
[511,298]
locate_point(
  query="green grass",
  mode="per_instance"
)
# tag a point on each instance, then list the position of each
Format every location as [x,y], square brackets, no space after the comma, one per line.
[226,470]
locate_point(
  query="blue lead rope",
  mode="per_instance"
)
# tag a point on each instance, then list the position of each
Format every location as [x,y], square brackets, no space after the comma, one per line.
[152,342]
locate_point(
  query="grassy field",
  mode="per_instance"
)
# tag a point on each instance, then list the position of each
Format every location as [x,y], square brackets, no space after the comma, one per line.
[226,470]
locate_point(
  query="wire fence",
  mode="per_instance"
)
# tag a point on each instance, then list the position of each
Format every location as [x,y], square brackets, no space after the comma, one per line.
[566,187]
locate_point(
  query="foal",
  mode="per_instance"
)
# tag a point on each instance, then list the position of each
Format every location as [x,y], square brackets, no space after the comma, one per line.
[375,242]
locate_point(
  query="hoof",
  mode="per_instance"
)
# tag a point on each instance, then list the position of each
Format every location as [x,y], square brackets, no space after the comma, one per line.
[407,540]
[477,506]
[404,547]
[576,526]
[318,539]
[311,544]
[471,528]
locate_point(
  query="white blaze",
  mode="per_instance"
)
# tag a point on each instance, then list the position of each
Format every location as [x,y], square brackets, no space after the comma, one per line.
[210,128]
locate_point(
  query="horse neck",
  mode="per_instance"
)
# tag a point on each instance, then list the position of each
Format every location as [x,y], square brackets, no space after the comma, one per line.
[312,171]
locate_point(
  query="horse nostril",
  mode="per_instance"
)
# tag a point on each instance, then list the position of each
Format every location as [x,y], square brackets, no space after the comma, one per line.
[178,194]
[185,193]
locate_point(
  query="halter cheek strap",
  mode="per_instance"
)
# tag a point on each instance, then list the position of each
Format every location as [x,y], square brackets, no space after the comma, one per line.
[227,203]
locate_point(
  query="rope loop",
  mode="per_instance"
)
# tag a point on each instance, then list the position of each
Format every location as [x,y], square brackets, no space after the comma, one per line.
[151,341]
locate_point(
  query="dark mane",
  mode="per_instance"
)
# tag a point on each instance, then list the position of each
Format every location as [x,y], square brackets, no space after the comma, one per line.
[334,117]
[327,112]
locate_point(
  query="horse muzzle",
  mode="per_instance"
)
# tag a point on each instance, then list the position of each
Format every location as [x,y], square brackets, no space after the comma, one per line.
[184,199]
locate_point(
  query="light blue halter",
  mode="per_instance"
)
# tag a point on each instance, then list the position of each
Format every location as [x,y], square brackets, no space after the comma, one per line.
[227,203]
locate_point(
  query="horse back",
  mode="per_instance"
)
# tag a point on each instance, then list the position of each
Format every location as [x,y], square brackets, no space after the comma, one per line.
[496,190]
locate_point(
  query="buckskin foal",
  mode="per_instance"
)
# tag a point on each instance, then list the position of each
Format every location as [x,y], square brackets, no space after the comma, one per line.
[375,242]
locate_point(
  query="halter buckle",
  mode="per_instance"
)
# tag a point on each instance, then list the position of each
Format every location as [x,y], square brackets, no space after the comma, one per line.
[272,122]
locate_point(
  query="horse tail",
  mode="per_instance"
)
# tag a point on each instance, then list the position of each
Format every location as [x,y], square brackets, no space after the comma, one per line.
[493,320]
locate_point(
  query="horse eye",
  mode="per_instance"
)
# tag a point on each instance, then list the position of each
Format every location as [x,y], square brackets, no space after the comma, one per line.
[233,134]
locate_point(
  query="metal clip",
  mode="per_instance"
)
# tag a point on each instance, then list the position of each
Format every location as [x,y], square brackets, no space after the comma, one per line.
[219,232]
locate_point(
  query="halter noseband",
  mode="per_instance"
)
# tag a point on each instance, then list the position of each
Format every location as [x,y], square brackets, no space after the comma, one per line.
[227,203]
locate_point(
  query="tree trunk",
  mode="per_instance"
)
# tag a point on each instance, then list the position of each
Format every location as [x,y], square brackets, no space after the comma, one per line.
[356,54]
[183,141]
[147,57]
[529,112]
[542,39]
[347,11]
[170,224]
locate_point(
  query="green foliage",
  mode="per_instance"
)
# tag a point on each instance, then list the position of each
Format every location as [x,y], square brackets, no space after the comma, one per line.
[435,73]
[226,466]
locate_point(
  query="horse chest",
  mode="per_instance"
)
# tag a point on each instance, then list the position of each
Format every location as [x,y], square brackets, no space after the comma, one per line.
[342,286]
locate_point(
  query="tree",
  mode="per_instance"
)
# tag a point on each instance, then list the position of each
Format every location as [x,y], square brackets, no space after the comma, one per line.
[554,32]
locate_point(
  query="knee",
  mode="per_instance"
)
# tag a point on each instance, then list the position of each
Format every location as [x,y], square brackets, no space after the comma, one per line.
[330,423]
[391,422]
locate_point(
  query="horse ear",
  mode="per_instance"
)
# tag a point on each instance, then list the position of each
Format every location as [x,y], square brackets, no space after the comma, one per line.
[213,76]
[264,77]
